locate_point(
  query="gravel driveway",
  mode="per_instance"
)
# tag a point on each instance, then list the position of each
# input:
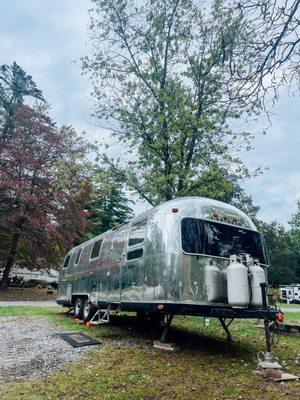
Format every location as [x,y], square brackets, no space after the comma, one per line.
[28,303]
[30,348]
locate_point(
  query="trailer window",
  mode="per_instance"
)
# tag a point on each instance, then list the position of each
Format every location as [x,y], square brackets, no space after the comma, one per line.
[137,253]
[67,261]
[78,256]
[137,232]
[220,240]
[96,249]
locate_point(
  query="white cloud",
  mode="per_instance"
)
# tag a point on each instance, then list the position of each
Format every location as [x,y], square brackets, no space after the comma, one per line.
[6,42]
[44,36]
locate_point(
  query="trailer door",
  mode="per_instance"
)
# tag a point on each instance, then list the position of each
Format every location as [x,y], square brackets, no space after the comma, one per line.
[115,263]
[104,266]
[133,269]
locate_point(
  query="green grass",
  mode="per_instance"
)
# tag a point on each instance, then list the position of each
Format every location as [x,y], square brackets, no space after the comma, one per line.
[126,366]
[285,305]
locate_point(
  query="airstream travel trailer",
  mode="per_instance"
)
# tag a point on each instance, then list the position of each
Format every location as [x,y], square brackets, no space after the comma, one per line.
[191,256]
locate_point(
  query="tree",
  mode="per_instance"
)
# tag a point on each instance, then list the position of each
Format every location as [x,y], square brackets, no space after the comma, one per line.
[108,205]
[294,235]
[283,258]
[43,190]
[167,86]
[15,85]
[274,37]
[295,228]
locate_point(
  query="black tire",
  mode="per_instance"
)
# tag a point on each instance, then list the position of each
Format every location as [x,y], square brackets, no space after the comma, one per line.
[88,311]
[78,307]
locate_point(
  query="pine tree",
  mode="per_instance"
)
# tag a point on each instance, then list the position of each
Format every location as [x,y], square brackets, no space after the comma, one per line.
[108,206]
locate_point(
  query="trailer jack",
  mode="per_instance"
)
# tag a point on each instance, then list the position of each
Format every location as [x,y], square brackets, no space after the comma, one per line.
[166,328]
[162,344]
[225,327]
[267,360]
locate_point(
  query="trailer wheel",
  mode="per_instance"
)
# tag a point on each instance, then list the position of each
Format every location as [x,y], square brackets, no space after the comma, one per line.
[78,308]
[88,311]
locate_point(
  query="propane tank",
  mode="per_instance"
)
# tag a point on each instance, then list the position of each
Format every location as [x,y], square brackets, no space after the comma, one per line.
[257,276]
[237,283]
[213,284]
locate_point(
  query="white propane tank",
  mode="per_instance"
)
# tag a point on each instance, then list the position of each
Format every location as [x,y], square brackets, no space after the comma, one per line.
[213,283]
[237,283]
[257,276]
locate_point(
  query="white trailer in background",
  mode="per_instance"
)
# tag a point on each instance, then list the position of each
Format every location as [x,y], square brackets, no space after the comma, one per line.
[32,277]
[290,293]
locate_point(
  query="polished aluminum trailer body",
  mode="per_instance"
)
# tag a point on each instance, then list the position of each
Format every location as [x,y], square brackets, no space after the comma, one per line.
[142,263]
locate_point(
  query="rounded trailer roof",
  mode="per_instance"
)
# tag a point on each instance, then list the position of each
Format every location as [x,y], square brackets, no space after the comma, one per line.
[200,207]
[190,206]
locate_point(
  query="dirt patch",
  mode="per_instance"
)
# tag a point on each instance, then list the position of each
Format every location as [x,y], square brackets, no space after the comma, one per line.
[30,348]
[20,294]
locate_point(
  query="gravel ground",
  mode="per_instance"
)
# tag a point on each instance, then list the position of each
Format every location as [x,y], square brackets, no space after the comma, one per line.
[28,303]
[30,348]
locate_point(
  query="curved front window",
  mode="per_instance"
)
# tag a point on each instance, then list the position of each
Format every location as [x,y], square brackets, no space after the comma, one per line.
[220,240]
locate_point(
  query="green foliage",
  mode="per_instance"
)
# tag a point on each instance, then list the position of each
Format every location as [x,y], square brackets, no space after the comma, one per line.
[283,256]
[15,85]
[108,205]
[294,235]
[295,229]
[166,81]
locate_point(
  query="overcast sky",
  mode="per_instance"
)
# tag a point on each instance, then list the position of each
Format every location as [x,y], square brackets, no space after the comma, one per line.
[45,36]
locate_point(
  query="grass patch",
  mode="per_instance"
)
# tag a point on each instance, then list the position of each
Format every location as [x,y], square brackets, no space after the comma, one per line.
[127,367]
[286,305]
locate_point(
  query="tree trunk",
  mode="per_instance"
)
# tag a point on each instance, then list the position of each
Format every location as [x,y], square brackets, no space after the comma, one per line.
[10,261]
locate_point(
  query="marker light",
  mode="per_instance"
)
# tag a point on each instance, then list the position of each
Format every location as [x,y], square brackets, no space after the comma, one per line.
[160,306]
[175,210]
[280,317]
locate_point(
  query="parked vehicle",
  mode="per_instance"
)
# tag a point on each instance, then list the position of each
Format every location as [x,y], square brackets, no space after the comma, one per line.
[173,259]
[24,277]
[290,293]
